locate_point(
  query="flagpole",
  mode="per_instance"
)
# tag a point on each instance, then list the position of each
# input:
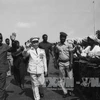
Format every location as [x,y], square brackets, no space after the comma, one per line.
[94,15]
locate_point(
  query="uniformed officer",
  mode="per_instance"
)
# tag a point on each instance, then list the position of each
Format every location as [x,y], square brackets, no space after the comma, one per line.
[64,60]
[37,67]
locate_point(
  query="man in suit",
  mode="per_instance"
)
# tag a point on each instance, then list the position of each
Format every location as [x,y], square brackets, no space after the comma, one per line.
[37,67]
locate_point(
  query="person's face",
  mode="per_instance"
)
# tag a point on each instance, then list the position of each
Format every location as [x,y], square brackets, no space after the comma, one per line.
[98,36]
[45,38]
[7,41]
[62,39]
[35,44]
[1,39]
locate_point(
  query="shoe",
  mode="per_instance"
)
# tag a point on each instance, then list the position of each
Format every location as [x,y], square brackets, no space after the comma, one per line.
[70,93]
[65,95]
[41,95]
[22,87]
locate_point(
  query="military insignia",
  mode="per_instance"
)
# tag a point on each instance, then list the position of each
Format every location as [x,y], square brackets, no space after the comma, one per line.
[41,56]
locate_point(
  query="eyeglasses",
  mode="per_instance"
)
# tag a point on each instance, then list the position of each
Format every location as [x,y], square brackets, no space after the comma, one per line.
[35,41]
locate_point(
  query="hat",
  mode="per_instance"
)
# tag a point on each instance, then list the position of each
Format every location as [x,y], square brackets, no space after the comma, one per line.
[63,34]
[35,39]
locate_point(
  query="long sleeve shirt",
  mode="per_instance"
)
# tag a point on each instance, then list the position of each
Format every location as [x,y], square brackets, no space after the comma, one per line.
[37,61]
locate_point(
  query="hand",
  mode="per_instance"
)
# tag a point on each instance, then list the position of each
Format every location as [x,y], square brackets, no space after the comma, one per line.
[56,65]
[22,48]
[13,36]
[45,74]
[27,45]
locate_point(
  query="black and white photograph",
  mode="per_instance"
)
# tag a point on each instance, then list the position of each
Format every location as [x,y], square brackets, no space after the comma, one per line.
[49,49]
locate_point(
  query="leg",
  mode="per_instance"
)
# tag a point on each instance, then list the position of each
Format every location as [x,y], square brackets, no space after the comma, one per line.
[47,66]
[41,81]
[47,63]
[16,75]
[2,85]
[70,76]
[62,79]
[35,86]
[35,92]
[9,71]
[22,74]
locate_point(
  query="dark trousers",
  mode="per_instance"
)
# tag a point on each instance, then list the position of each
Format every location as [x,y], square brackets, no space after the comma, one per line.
[2,85]
[48,62]
[19,73]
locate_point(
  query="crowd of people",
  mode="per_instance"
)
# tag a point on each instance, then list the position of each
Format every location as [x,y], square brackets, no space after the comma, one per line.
[34,58]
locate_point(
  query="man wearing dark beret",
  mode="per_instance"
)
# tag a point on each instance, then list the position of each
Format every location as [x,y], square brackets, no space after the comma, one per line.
[63,50]
[63,34]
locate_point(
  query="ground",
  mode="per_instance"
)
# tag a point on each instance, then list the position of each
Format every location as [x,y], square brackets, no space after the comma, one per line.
[15,93]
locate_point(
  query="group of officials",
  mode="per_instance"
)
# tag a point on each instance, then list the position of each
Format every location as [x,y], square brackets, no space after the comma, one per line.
[35,58]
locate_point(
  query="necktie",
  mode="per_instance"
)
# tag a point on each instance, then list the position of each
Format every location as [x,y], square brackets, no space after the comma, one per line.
[36,51]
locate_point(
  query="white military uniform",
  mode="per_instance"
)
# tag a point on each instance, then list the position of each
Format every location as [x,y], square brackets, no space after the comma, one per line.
[36,67]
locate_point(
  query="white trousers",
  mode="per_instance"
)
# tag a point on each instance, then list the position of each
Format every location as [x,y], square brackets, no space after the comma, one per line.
[37,80]
[63,68]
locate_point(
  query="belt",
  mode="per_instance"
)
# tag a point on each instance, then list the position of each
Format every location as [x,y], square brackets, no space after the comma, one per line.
[64,61]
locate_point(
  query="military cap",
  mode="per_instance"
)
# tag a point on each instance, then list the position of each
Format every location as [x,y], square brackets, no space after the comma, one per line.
[63,34]
[35,39]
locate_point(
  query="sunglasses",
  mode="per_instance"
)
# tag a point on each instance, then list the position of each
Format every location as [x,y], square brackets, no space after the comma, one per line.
[35,41]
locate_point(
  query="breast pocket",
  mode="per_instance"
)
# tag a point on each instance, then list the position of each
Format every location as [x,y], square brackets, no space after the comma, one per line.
[40,68]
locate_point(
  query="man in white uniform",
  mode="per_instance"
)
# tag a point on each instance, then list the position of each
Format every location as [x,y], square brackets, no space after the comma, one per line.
[37,67]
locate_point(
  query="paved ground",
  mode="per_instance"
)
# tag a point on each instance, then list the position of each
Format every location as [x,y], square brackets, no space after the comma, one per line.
[15,93]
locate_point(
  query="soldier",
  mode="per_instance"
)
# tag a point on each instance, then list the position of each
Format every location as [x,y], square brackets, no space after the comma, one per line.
[47,46]
[64,61]
[36,67]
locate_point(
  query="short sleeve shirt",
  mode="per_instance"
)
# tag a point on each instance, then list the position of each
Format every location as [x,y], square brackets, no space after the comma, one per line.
[63,50]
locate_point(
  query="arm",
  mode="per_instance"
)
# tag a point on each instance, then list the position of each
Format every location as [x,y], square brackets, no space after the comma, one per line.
[70,57]
[56,56]
[13,46]
[45,62]
[56,53]
[9,49]
[51,51]
[26,53]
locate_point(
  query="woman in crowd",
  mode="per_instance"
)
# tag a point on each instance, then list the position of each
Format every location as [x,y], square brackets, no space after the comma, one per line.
[18,63]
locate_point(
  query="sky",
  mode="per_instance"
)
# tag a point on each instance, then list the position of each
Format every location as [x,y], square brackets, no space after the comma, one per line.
[29,18]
